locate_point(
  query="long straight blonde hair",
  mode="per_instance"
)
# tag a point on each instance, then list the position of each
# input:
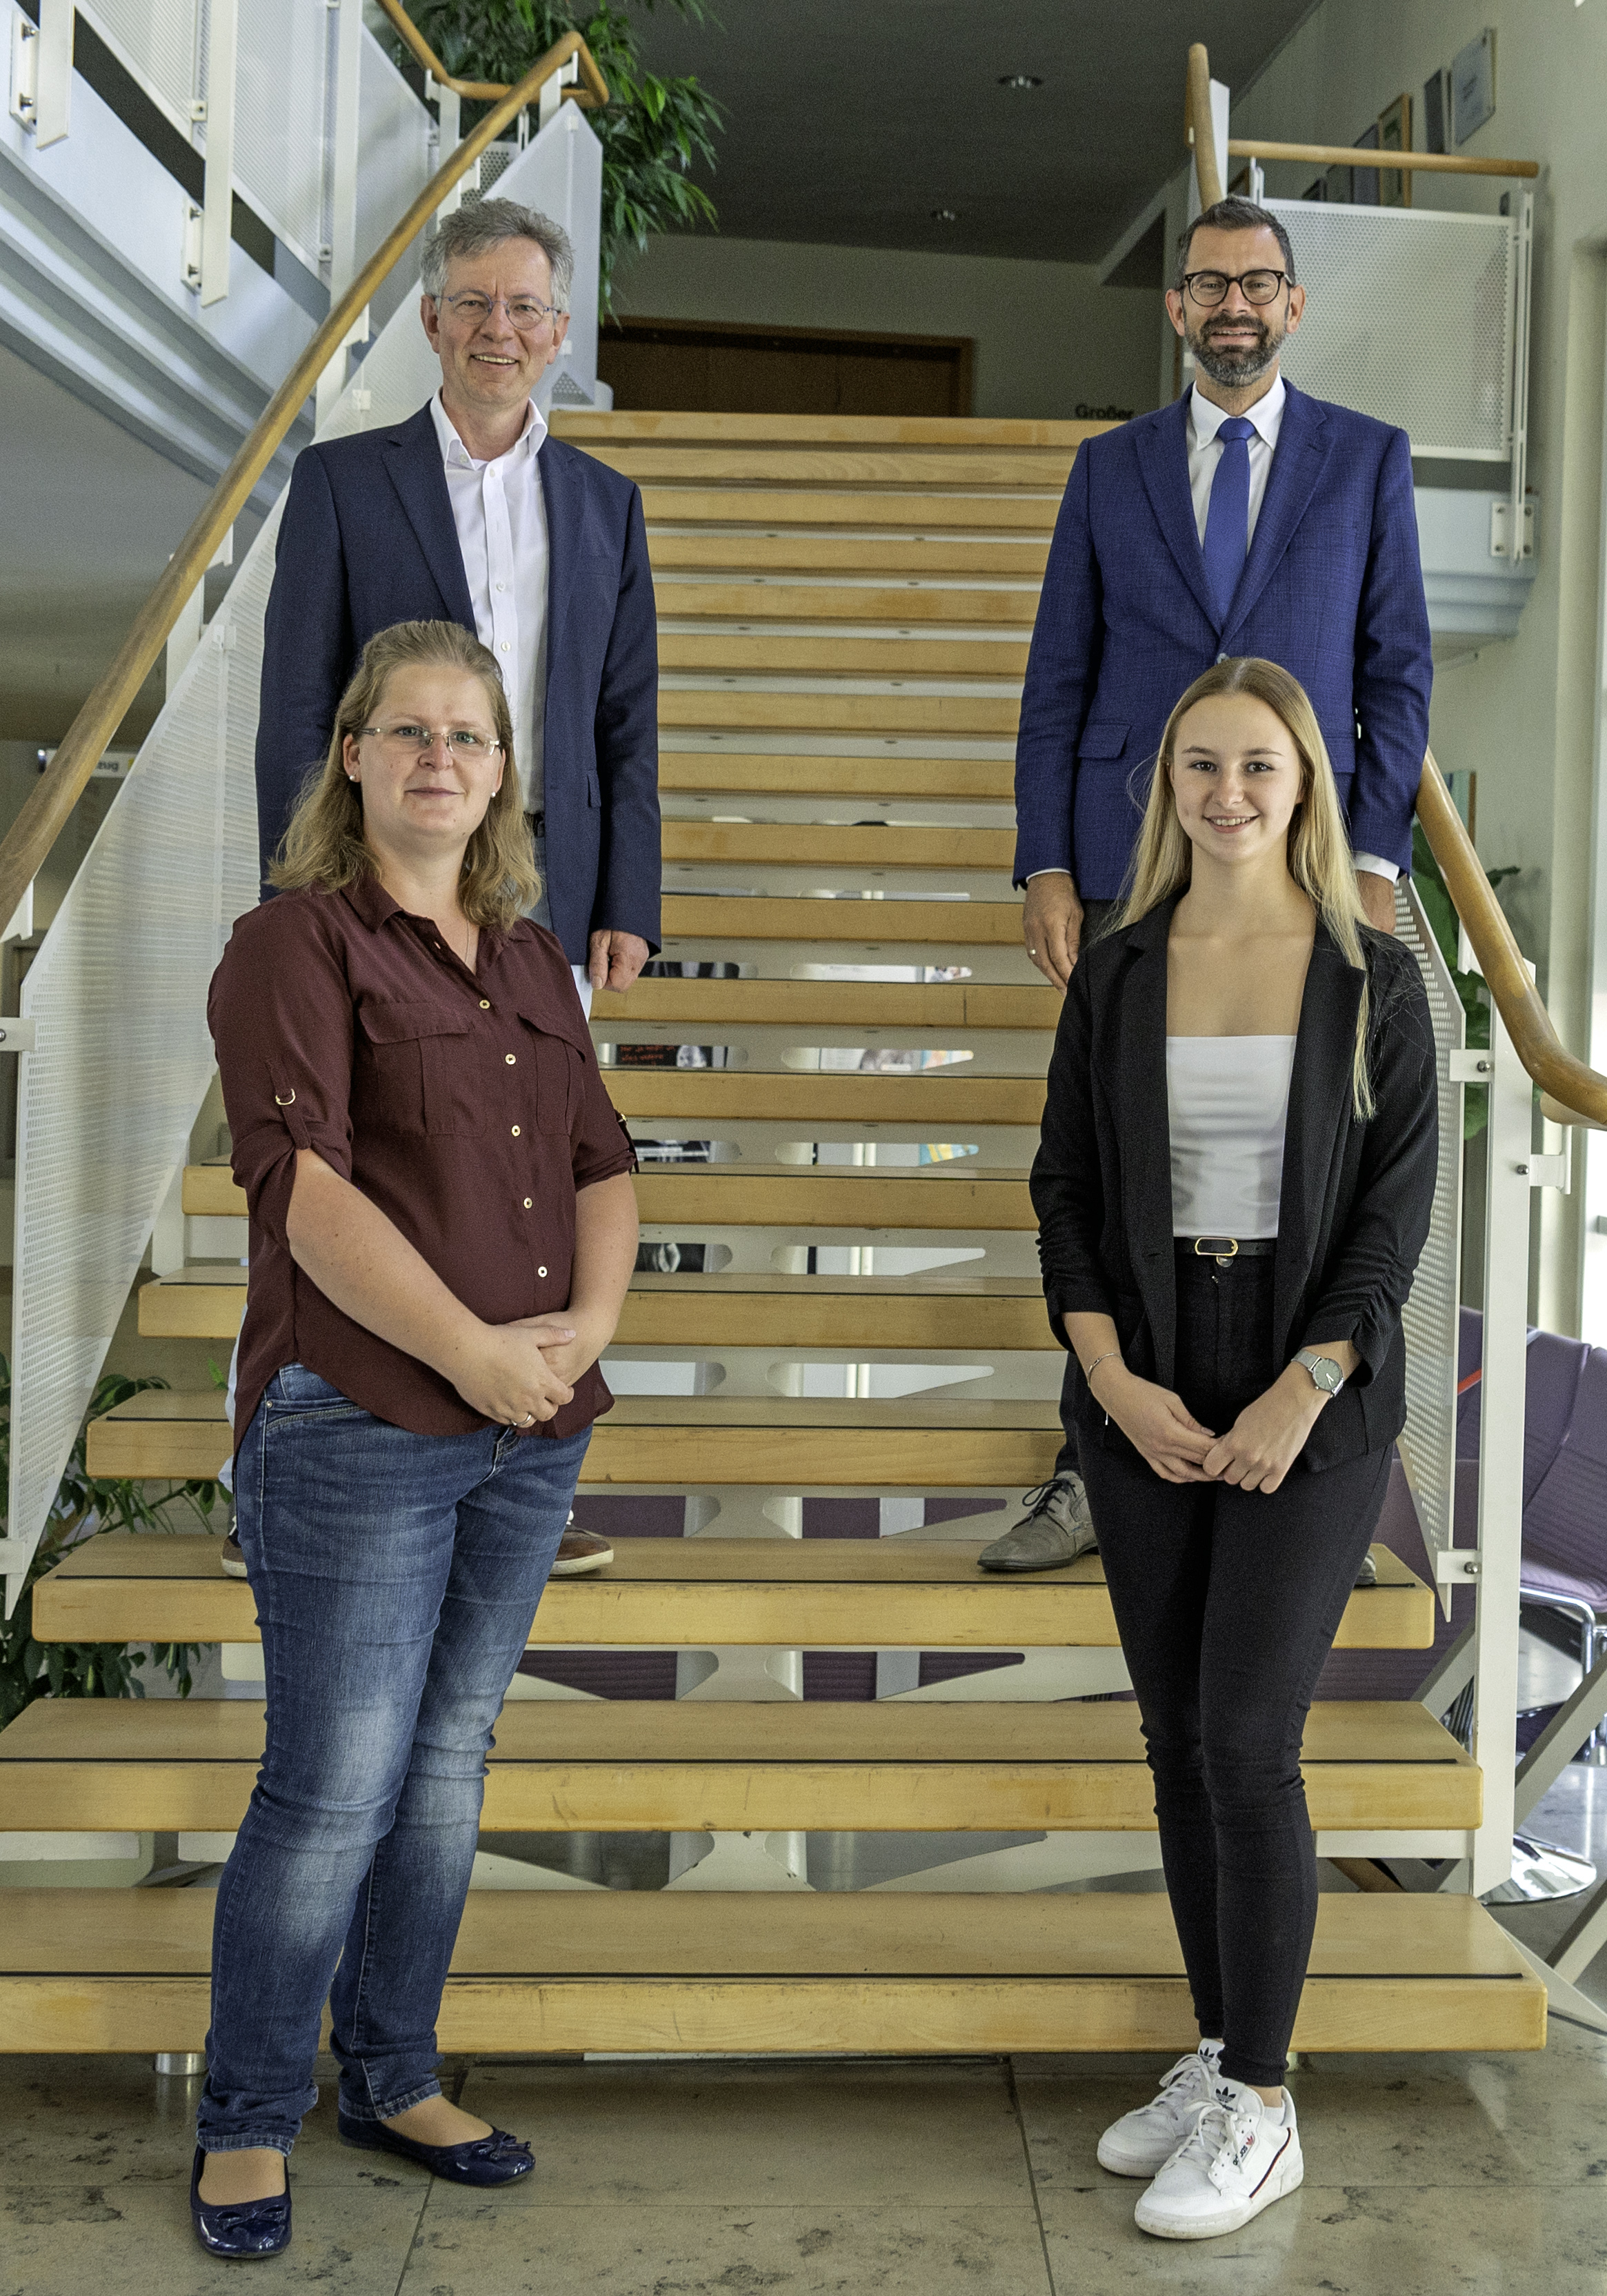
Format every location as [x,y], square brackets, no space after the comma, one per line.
[1318,851]
[324,848]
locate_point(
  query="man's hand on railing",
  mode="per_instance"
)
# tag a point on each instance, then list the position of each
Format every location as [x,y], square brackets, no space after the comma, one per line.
[1378,899]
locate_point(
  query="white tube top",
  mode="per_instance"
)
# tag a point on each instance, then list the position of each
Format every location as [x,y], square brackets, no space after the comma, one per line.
[1227,1102]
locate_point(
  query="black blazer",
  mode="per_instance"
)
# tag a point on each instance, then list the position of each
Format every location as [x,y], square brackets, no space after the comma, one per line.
[367,540]
[1356,1195]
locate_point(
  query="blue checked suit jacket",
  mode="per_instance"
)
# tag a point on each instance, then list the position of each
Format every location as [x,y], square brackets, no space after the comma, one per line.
[1332,589]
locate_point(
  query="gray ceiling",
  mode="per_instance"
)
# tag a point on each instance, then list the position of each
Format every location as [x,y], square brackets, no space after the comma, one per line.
[850,120]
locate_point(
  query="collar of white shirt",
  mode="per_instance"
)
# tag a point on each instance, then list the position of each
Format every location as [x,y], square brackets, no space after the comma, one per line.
[454,455]
[1205,418]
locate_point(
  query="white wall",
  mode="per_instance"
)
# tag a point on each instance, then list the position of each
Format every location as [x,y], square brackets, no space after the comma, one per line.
[1524,713]
[1051,342]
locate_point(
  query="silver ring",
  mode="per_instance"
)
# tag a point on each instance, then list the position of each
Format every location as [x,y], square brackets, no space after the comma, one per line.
[529,1420]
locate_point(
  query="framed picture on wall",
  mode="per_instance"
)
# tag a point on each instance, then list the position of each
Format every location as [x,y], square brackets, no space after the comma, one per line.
[1364,181]
[1395,134]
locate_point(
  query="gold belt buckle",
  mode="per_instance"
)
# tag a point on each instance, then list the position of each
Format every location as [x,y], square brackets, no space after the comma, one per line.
[1222,1258]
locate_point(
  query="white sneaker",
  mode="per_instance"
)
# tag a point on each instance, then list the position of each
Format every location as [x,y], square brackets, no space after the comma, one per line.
[1141,2142]
[1237,2159]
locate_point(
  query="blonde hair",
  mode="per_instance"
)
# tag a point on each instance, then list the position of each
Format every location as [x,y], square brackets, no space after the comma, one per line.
[1318,851]
[324,849]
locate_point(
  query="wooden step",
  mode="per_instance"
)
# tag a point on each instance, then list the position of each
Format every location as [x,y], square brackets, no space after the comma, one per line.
[934,924]
[960,433]
[696,1440]
[752,1096]
[820,602]
[701,1593]
[948,779]
[734,653]
[875,1004]
[1041,471]
[928,511]
[880,847]
[651,1767]
[83,1971]
[974,1314]
[797,551]
[744,1195]
[820,710]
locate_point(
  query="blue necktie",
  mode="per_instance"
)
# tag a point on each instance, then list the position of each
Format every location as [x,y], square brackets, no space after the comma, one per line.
[1227,519]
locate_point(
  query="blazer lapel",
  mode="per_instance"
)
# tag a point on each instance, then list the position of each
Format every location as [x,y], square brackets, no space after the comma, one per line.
[412,457]
[1314,1134]
[1143,1131]
[561,497]
[1301,457]
[1162,449]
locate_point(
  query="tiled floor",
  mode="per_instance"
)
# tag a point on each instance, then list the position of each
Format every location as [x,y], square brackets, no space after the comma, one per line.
[1423,2176]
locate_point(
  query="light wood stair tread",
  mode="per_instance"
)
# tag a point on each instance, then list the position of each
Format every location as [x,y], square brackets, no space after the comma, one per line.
[870,778]
[880,847]
[701,1593]
[964,433]
[945,1096]
[735,916]
[830,655]
[1038,470]
[927,511]
[787,602]
[820,708]
[757,1283]
[782,1413]
[875,1004]
[85,1969]
[798,550]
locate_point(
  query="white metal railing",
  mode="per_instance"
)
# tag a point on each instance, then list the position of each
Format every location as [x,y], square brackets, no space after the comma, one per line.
[115,1001]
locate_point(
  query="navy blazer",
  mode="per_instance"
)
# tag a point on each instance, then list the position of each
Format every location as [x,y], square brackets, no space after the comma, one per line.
[367,540]
[1353,1214]
[1332,589]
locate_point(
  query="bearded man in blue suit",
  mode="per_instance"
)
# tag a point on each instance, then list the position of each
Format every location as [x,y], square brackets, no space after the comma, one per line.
[1244,519]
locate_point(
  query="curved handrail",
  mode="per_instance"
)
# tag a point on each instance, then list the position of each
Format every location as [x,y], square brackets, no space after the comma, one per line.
[1393,163]
[45,811]
[1571,1092]
[590,97]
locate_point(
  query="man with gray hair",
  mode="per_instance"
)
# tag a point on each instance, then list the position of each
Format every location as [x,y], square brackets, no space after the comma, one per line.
[471,513]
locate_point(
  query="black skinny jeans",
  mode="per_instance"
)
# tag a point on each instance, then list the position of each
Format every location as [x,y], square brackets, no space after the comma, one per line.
[1227,1604]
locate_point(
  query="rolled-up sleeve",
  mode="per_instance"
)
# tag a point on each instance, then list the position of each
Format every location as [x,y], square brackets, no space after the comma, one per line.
[601,1147]
[281,1013]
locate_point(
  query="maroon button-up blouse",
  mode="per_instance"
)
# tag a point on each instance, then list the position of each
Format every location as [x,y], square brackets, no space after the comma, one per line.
[468,1106]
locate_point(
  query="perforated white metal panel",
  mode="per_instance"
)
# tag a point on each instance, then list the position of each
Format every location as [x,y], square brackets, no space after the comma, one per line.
[159,41]
[1410,317]
[1428,1446]
[279,116]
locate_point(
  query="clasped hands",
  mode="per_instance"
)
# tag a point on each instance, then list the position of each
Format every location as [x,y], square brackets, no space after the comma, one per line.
[1256,1452]
[526,1370]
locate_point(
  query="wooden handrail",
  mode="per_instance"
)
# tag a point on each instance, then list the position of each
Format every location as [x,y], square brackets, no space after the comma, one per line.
[1571,1092]
[590,97]
[46,810]
[1200,126]
[1395,163]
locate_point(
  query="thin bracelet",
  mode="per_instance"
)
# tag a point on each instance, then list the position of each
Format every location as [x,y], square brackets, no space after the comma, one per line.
[1093,1367]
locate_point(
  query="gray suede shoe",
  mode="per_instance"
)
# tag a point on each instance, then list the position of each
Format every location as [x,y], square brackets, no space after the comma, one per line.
[1056,1528]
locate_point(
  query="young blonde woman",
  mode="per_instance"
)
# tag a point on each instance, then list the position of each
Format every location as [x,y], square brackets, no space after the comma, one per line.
[1234,1186]
[443,1229]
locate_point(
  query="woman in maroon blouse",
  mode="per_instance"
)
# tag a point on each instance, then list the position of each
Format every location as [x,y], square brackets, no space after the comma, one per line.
[443,1229]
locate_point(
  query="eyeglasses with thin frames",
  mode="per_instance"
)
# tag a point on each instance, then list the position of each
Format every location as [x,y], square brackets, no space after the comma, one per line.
[1210,288]
[461,739]
[526,316]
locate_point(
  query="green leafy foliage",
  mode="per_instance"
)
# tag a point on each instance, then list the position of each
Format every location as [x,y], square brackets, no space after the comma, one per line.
[1441,913]
[86,1506]
[653,130]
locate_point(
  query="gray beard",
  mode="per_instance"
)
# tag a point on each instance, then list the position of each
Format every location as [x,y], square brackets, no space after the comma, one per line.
[1234,373]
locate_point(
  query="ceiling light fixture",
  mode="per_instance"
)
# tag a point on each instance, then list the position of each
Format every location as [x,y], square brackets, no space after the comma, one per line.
[946,215]
[1019,79]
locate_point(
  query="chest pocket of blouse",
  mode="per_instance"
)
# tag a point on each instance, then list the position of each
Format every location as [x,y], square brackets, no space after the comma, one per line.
[558,1067]
[421,1070]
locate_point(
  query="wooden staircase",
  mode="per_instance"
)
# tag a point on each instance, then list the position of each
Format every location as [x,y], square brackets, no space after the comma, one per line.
[844,612]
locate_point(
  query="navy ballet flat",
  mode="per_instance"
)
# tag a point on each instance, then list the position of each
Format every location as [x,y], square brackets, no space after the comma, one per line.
[242,2228]
[493,2160]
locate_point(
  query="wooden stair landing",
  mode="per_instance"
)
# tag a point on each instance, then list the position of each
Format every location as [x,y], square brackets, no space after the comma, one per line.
[702,1594]
[89,1970]
[646,1766]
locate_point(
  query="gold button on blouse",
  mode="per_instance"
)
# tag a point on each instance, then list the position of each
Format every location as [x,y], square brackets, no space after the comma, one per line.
[516,1132]
[485,1004]
[541,1271]
[511,1058]
[527,1203]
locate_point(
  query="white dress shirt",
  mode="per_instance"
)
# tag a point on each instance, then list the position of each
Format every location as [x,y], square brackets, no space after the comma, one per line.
[500,514]
[1205,419]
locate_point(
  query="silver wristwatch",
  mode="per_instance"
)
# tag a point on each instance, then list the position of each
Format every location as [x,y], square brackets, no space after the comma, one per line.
[1324,1371]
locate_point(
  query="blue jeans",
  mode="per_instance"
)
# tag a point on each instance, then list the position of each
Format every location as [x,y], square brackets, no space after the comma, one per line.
[396,1577]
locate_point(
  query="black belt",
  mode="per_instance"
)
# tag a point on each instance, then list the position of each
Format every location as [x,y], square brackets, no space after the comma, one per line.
[538,824]
[1226,1249]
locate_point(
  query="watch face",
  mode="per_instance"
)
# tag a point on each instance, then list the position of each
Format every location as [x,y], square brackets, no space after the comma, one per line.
[1327,1373]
